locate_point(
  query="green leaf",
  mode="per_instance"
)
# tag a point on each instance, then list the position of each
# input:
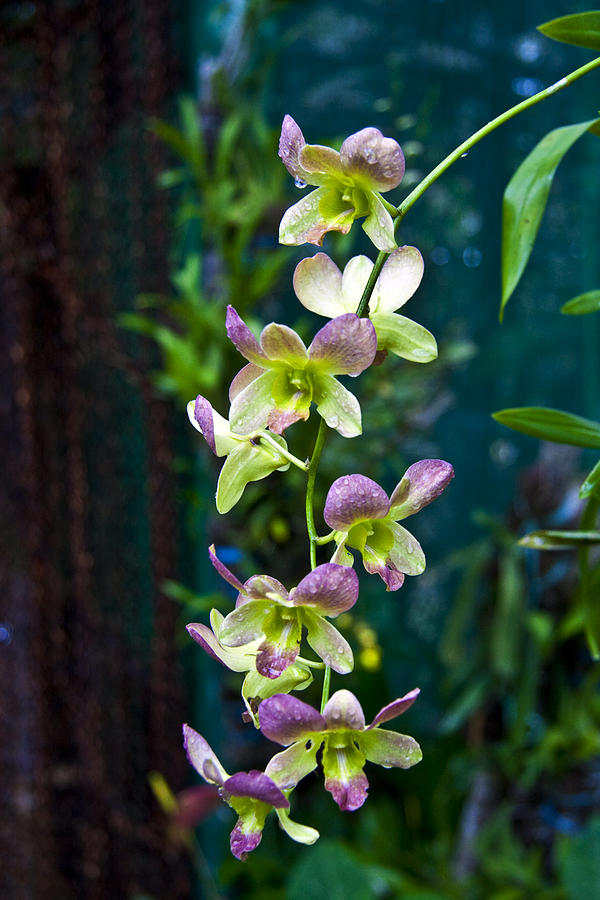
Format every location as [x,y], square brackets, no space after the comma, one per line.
[329,872]
[581,29]
[551,425]
[559,540]
[582,305]
[525,199]
[507,624]
[591,485]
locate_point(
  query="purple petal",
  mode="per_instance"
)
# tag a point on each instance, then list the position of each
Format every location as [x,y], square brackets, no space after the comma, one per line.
[422,483]
[242,338]
[243,378]
[285,719]
[202,757]
[291,142]
[352,499]
[224,572]
[395,708]
[344,711]
[350,792]
[375,161]
[280,419]
[203,414]
[345,346]
[258,786]
[272,659]
[243,842]
[387,571]
[329,589]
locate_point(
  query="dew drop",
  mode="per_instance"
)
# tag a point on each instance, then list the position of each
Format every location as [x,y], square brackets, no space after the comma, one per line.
[369,155]
[462,155]
[299,183]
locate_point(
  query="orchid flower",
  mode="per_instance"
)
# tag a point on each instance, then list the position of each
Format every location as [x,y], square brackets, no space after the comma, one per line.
[322,288]
[252,795]
[282,377]
[267,612]
[366,519]
[256,687]
[347,742]
[348,185]
[248,458]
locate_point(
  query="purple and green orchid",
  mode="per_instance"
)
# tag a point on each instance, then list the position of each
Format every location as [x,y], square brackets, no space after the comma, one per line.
[249,457]
[322,288]
[283,377]
[256,687]
[252,795]
[364,518]
[349,185]
[347,742]
[266,612]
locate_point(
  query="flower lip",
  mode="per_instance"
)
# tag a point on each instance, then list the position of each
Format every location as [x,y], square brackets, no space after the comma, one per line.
[352,499]
[257,786]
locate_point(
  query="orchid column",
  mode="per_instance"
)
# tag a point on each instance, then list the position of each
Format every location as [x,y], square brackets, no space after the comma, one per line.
[283,380]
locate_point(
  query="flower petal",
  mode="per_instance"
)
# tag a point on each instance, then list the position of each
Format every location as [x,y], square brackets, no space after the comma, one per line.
[319,160]
[352,499]
[388,748]
[212,426]
[329,590]
[374,161]
[399,278]
[339,408]
[245,623]
[265,587]
[258,786]
[245,837]
[345,346]
[238,659]
[283,344]
[279,650]
[202,757]
[242,338]
[246,463]
[318,286]
[379,225]
[285,719]
[422,483]
[342,556]
[223,571]
[404,338]
[328,643]
[304,834]
[291,142]
[292,765]
[387,571]
[344,776]
[354,280]
[395,708]
[257,688]
[406,554]
[343,710]
[244,377]
[250,408]
[303,222]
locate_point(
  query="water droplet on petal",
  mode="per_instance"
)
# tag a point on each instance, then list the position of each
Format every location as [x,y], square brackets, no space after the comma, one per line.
[369,154]
[299,183]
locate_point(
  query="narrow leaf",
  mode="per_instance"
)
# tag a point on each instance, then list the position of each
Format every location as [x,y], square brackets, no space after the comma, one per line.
[581,29]
[551,425]
[525,200]
[559,540]
[582,304]
[591,485]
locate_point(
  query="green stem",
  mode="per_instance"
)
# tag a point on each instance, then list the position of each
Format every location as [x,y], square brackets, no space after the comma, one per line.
[461,150]
[326,685]
[310,491]
[312,663]
[587,523]
[326,539]
[265,438]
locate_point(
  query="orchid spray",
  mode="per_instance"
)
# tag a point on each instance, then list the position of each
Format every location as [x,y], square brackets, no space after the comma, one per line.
[282,382]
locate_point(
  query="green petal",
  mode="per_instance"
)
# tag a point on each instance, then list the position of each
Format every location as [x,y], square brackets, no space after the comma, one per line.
[246,463]
[379,225]
[406,554]
[404,338]
[321,160]
[337,406]
[245,624]
[304,834]
[354,280]
[388,748]
[328,643]
[318,286]
[304,222]
[251,407]
[294,763]
[256,687]
[342,556]
[283,344]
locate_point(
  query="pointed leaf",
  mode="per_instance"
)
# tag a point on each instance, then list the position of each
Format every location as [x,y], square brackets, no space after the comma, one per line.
[581,29]
[582,304]
[551,425]
[525,199]
[591,485]
[559,540]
